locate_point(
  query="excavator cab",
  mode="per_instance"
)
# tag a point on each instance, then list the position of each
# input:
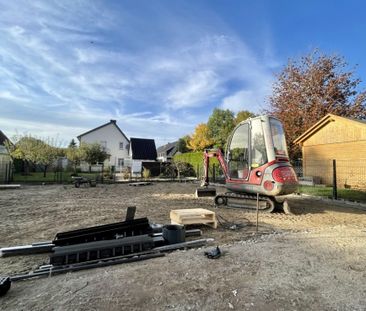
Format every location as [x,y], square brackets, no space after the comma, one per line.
[246,149]
[254,143]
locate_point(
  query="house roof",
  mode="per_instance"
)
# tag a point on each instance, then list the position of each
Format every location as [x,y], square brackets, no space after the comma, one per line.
[114,122]
[3,138]
[168,149]
[143,149]
[323,122]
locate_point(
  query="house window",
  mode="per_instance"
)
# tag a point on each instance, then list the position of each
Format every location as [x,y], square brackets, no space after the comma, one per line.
[120,146]
[120,162]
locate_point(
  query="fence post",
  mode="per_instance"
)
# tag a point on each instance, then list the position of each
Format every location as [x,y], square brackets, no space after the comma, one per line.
[6,174]
[10,172]
[335,195]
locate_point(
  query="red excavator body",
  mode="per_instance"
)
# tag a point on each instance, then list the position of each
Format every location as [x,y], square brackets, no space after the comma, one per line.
[256,160]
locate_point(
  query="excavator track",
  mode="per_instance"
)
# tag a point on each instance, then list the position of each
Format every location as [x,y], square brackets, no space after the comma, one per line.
[245,201]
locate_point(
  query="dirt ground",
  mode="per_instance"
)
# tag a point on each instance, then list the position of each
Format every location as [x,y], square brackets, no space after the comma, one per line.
[314,259]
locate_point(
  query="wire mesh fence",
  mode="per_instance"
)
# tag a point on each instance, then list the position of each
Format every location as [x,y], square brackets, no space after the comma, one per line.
[59,175]
[215,173]
[346,173]
[6,170]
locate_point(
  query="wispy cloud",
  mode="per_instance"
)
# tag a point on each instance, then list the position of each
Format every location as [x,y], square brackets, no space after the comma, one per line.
[9,96]
[81,63]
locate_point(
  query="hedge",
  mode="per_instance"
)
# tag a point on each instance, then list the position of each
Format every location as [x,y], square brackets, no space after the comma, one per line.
[196,160]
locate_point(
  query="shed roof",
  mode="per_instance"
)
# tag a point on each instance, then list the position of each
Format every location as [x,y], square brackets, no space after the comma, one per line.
[143,149]
[114,122]
[323,122]
[3,138]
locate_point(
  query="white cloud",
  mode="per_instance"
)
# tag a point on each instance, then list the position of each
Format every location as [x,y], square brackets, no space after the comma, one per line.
[197,89]
[9,96]
[251,99]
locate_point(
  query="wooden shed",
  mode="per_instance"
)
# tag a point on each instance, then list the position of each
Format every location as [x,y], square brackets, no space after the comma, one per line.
[339,138]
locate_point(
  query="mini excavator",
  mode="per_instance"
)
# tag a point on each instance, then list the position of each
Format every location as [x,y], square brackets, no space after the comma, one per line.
[255,166]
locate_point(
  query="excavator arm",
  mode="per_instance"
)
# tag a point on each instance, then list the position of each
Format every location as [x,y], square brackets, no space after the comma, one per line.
[213,153]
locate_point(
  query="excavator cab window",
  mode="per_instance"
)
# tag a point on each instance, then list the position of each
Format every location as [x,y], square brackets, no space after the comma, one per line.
[279,140]
[258,145]
[238,153]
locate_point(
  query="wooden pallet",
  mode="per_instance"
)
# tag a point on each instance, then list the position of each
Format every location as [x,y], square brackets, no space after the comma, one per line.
[193,216]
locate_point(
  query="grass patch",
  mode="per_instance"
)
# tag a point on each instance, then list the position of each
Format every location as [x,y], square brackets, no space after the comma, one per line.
[346,194]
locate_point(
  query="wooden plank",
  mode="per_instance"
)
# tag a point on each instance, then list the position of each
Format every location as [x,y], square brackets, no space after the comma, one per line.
[210,224]
[209,219]
[192,217]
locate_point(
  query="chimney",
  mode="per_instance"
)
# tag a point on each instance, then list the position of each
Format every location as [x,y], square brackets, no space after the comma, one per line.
[113,121]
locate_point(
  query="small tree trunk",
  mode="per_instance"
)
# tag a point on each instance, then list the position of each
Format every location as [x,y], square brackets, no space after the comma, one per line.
[26,167]
[45,170]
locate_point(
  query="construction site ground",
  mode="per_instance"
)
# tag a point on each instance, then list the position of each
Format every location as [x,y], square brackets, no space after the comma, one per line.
[314,259]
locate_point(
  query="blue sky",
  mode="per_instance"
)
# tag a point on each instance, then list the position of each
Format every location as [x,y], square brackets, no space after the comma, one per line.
[157,67]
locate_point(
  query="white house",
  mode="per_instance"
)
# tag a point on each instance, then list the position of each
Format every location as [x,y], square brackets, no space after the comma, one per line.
[112,140]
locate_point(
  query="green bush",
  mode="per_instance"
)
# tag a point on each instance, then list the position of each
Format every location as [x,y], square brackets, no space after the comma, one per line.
[168,171]
[195,159]
[184,169]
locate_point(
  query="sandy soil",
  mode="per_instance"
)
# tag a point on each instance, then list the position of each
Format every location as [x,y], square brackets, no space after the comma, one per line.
[311,260]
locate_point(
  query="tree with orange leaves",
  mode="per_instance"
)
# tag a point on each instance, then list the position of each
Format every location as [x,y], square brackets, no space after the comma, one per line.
[200,139]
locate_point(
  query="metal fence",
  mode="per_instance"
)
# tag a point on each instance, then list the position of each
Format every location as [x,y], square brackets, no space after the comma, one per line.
[215,173]
[346,173]
[6,170]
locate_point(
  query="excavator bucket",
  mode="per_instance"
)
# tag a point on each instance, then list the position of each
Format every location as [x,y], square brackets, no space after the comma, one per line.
[205,192]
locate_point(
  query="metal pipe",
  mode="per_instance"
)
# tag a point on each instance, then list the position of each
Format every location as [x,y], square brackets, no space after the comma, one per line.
[195,243]
[335,194]
[26,249]
[256,227]
[101,263]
